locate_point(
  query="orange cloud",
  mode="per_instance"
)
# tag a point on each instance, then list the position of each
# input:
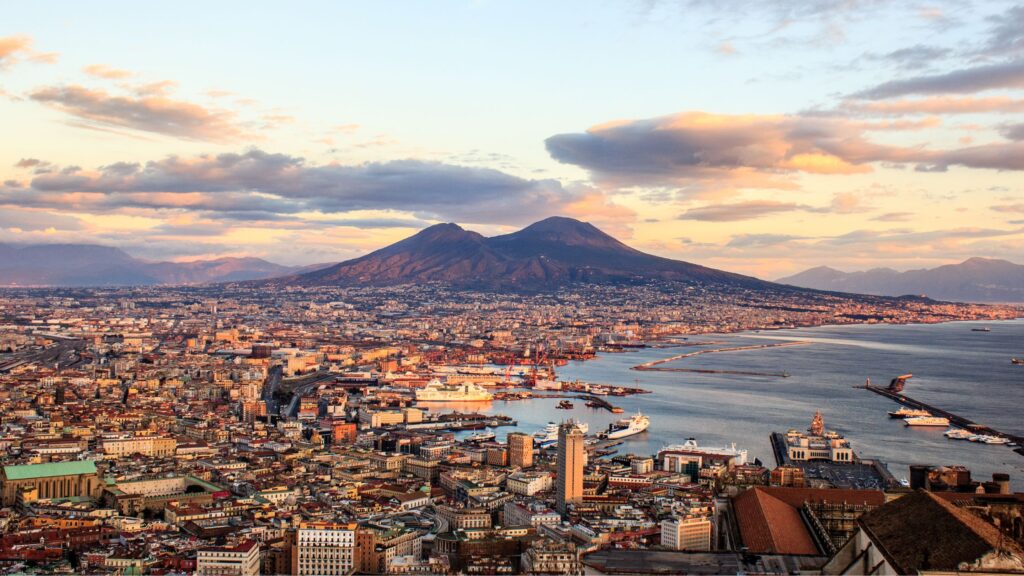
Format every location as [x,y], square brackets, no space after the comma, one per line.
[14,48]
[107,72]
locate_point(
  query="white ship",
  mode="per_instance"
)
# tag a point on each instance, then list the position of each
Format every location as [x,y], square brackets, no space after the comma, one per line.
[690,447]
[986,439]
[635,424]
[959,434]
[481,437]
[905,412]
[549,435]
[927,421]
[435,391]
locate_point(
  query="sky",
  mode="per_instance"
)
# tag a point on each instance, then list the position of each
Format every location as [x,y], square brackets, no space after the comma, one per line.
[758,137]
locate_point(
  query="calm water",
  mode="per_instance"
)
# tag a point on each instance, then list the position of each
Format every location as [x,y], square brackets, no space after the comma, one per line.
[954,368]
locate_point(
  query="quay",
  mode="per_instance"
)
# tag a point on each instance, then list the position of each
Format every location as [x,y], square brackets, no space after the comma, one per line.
[954,419]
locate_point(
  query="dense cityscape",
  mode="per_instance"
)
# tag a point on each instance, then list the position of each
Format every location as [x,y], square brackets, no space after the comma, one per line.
[232,430]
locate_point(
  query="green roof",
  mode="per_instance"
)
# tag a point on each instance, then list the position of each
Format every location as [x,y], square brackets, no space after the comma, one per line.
[29,471]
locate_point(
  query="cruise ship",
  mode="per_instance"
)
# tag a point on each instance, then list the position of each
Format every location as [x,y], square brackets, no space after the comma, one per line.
[927,421]
[635,424]
[435,391]
[549,435]
[729,454]
[905,412]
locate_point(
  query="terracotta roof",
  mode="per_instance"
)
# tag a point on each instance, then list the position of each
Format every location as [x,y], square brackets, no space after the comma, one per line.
[797,496]
[923,531]
[769,525]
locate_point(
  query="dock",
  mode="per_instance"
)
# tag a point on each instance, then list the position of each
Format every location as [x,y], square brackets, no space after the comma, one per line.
[954,419]
[654,364]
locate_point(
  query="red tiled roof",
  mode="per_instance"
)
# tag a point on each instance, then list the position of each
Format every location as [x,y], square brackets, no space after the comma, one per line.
[769,525]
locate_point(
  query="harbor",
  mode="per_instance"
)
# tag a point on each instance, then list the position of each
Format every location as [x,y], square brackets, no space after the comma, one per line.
[656,365]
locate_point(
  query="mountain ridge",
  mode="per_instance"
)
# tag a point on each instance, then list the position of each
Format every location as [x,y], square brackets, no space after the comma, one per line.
[975,279]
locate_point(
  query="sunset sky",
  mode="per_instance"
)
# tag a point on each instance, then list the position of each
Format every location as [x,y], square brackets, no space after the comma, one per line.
[762,138]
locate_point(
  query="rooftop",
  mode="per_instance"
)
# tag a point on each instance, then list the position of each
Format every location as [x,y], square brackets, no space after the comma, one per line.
[49,469]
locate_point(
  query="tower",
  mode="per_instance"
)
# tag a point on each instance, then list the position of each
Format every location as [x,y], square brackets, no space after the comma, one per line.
[570,466]
[817,425]
[520,450]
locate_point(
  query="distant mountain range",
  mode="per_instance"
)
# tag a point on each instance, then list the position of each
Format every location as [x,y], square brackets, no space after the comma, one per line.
[70,265]
[548,253]
[973,280]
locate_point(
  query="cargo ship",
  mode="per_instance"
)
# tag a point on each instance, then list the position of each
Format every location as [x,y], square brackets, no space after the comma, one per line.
[435,391]
[549,435]
[635,424]
[927,421]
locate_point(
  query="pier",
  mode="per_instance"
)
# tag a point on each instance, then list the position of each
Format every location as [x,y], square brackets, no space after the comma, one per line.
[954,419]
[654,365]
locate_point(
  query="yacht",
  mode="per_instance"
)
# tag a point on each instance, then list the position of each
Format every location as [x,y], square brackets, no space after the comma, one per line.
[905,412]
[625,427]
[927,421]
[958,434]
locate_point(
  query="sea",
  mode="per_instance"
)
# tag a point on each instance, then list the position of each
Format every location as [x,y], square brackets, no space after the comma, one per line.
[954,367]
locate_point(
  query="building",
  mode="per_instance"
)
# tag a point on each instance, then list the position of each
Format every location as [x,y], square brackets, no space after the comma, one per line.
[155,446]
[571,458]
[324,549]
[551,557]
[923,533]
[529,514]
[520,450]
[50,480]
[243,559]
[818,444]
[687,533]
[528,483]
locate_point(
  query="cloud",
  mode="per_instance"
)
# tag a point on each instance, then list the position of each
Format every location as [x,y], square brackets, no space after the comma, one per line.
[1006,35]
[962,81]
[1012,131]
[912,57]
[13,49]
[739,211]
[894,217]
[107,72]
[760,240]
[259,182]
[700,151]
[1014,208]
[938,105]
[149,110]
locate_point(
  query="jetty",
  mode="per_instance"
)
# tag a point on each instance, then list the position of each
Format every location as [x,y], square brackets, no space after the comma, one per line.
[655,365]
[895,393]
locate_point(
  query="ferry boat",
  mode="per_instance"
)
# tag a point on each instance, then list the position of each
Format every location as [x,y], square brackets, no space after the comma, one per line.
[435,391]
[635,424]
[926,421]
[549,435]
[905,412]
[481,437]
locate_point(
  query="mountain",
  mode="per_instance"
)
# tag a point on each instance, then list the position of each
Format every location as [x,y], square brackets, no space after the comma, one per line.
[70,265]
[973,280]
[548,253]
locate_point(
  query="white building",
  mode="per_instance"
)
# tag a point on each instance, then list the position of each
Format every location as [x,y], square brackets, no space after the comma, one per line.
[528,483]
[535,514]
[240,560]
[689,533]
[325,549]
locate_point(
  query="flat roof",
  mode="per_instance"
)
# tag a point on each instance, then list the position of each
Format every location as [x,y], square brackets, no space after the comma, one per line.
[49,469]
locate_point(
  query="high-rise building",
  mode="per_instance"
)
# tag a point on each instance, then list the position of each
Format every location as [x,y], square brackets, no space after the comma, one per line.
[324,549]
[571,458]
[690,533]
[520,450]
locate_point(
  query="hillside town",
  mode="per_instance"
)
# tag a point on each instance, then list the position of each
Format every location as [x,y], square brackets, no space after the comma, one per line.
[236,431]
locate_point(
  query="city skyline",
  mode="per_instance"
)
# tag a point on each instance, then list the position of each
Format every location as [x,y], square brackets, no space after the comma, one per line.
[763,140]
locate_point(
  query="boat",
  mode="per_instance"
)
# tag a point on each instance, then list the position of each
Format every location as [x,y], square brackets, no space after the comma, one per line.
[1018,361]
[905,412]
[564,405]
[635,424]
[481,437]
[988,439]
[617,410]
[436,391]
[981,329]
[549,435]
[926,421]
[958,434]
